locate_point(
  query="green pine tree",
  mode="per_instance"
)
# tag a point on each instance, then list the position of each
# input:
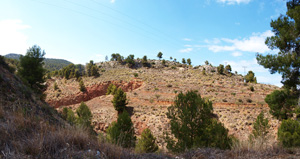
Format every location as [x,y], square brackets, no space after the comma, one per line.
[146,144]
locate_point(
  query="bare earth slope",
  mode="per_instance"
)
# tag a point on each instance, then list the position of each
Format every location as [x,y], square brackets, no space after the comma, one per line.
[154,89]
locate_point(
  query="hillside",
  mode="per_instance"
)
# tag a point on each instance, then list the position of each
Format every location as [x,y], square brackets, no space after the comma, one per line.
[50,63]
[152,90]
[30,128]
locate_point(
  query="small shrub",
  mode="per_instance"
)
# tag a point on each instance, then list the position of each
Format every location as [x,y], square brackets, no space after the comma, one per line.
[156,89]
[173,67]
[157,96]
[81,86]
[240,100]
[251,88]
[249,100]
[146,144]
[55,86]
[135,74]
[169,85]
[233,94]
[224,100]
[163,62]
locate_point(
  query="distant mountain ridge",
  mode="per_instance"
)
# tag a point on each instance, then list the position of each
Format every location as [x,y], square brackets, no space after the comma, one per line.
[51,64]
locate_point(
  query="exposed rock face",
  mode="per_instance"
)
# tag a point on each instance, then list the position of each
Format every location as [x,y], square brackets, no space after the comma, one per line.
[93,91]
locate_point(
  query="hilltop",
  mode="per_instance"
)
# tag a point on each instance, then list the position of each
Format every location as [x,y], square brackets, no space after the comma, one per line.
[51,64]
[151,90]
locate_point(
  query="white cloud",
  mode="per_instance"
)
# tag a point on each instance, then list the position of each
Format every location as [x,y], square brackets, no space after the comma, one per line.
[187,39]
[112,1]
[187,45]
[12,40]
[255,43]
[186,50]
[213,41]
[230,2]
[236,54]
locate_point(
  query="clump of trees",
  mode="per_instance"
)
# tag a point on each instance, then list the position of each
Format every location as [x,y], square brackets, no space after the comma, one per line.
[92,69]
[228,69]
[250,77]
[220,69]
[145,61]
[193,125]
[117,57]
[284,103]
[82,118]
[31,67]
[130,61]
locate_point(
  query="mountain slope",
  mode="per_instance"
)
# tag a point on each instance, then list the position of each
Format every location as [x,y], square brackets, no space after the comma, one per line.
[235,103]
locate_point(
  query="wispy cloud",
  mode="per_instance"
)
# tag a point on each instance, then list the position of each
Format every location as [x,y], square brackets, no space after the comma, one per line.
[236,54]
[12,39]
[187,39]
[254,43]
[231,2]
[112,1]
[186,50]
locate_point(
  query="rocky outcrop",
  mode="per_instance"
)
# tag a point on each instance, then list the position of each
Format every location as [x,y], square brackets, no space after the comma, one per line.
[93,92]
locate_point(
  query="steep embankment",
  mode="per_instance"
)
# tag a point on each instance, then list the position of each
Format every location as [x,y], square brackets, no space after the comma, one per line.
[236,103]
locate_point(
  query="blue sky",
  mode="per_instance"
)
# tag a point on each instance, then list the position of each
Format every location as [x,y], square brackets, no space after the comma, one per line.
[220,31]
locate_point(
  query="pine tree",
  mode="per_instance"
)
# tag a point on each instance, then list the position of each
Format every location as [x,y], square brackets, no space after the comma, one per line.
[192,124]
[84,115]
[260,127]
[146,144]
[119,101]
[31,67]
[122,132]
[81,86]
[159,55]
